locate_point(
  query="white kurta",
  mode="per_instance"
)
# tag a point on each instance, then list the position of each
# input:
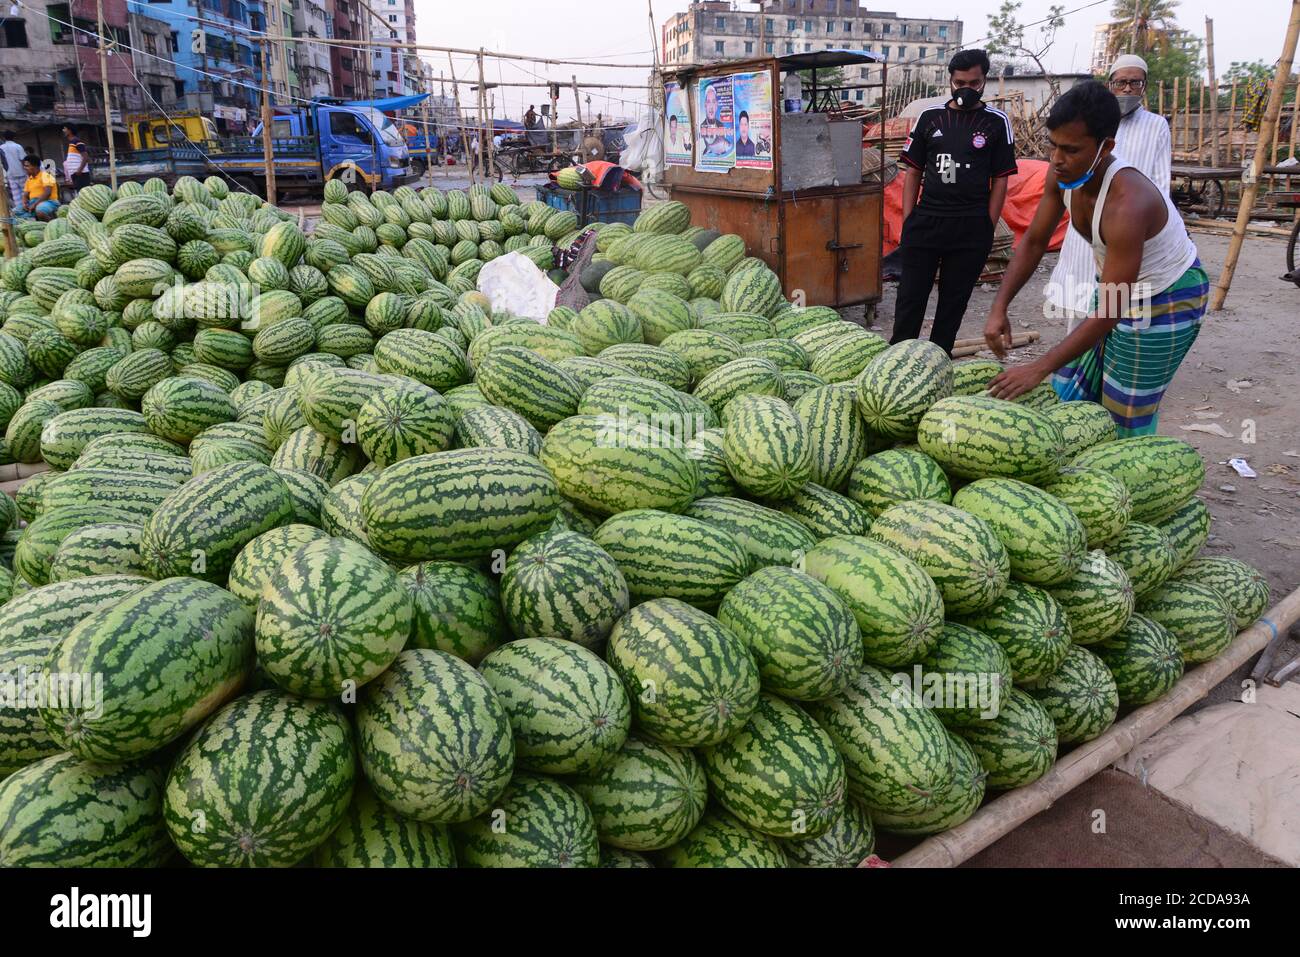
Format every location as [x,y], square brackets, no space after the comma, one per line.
[1142,140]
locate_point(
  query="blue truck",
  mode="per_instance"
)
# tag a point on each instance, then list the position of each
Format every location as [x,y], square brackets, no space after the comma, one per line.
[312,145]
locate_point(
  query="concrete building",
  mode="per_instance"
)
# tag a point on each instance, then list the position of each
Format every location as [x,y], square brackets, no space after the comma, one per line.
[349,66]
[917,49]
[1107,41]
[395,71]
[312,60]
[152,61]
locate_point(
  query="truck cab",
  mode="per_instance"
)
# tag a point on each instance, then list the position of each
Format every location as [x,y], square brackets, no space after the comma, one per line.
[149,132]
[357,143]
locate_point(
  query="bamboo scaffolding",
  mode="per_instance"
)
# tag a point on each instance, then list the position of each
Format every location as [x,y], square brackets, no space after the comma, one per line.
[1214,93]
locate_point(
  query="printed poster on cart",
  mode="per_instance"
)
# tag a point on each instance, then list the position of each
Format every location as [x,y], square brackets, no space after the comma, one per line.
[677,126]
[752,106]
[715,129]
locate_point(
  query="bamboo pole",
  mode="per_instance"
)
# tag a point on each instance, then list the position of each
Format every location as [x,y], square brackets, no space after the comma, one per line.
[577,105]
[1295,119]
[1161,108]
[1187,117]
[460,116]
[428,148]
[1000,816]
[1200,128]
[431,48]
[1266,128]
[1214,92]
[488,126]
[108,103]
[266,128]
[1232,121]
[554,90]
[6,222]
[1173,119]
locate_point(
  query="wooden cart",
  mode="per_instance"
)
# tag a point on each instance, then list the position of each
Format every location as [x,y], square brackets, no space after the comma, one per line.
[821,238]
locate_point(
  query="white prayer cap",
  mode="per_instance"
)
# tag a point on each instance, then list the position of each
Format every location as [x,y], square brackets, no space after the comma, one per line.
[1127,60]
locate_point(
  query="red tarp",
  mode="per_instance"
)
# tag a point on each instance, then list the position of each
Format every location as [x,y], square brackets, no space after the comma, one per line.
[1023,194]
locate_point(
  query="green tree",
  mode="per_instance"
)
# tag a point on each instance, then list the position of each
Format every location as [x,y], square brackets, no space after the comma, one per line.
[1143,26]
[1177,55]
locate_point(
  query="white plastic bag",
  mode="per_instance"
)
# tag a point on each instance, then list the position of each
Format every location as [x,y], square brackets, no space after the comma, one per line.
[643,149]
[514,284]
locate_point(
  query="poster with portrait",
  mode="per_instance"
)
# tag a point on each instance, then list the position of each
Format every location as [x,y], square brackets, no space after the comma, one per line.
[677,126]
[752,105]
[715,130]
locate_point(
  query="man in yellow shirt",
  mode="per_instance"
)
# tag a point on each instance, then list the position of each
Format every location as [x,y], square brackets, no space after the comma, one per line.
[41,193]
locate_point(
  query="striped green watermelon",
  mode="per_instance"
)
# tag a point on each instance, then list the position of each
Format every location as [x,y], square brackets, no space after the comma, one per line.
[331,398]
[340,508]
[1161,472]
[457,609]
[834,433]
[961,552]
[1044,540]
[766,446]
[1018,746]
[1098,499]
[714,478]
[180,408]
[435,740]
[768,537]
[690,681]
[374,835]
[1082,424]
[64,436]
[647,797]
[607,322]
[569,712]
[547,825]
[663,555]
[956,802]
[65,812]
[458,504]
[612,464]
[562,585]
[40,540]
[846,843]
[403,421]
[661,314]
[266,780]
[627,395]
[199,528]
[803,637]
[780,773]
[1187,530]
[898,607]
[979,436]
[972,377]
[1080,696]
[1146,556]
[650,362]
[702,351]
[1097,601]
[1144,659]
[898,387]
[887,478]
[746,376]
[331,618]
[259,560]
[1196,615]
[491,427]
[786,353]
[105,548]
[720,840]
[897,757]
[826,513]
[844,358]
[744,327]
[1031,628]
[191,629]
[588,370]
[522,381]
[975,672]
[135,493]
[1240,585]
[756,290]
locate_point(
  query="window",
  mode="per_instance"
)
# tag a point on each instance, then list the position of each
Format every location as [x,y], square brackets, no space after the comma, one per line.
[925,29]
[770,46]
[884,28]
[790,25]
[717,46]
[347,124]
[155,90]
[749,24]
[848,26]
[943,32]
[392,18]
[866,47]
[175,43]
[868,28]
[921,52]
[749,46]
[392,34]
[686,49]
[721,23]
[884,51]
[789,48]
[40,97]
[807,48]
[769,25]
[830,26]
[857,94]
[902,52]
[180,88]
[807,26]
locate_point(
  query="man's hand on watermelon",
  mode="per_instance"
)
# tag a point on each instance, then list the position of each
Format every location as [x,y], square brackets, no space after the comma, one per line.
[1017,380]
[997,332]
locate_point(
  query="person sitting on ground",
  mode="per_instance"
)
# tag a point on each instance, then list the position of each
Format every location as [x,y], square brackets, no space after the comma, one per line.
[1152,291]
[41,192]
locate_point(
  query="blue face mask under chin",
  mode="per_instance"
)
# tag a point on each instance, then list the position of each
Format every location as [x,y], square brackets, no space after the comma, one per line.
[1086,176]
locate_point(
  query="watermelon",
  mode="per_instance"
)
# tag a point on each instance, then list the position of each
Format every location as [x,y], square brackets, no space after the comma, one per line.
[1044,540]
[956,802]
[62,811]
[1080,696]
[1187,530]
[434,738]
[720,840]
[896,475]
[1031,628]
[1097,601]
[548,825]
[191,629]
[756,290]
[522,381]
[266,780]
[766,447]
[331,618]
[746,376]
[972,377]
[261,558]
[897,758]
[846,843]
[979,437]
[40,541]
[457,609]
[768,537]
[1144,659]
[971,671]
[1160,472]
[374,835]
[647,797]
[491,427]
[690,681]
[136,494]
[1098,499]
[961,552]
[898,387]
[569,712]
[563,585]
[104,548]
[1082,425]
[844,358]
[403,421]
[826,513]
[835,435]
[662,555]
[1018,746]
[714,478]
[1196,615]
[1146,556]
[1241,586]
[898,607]
[702,351]
[802,635]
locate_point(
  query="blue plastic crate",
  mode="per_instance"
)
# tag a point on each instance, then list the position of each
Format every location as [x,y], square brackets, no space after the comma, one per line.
[593,205]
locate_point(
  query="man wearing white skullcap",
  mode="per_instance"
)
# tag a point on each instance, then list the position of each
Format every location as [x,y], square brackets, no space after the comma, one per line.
[1143,140]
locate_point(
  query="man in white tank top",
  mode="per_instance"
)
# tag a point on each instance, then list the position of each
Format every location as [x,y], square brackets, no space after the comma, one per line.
[1143,140]
[1153,292]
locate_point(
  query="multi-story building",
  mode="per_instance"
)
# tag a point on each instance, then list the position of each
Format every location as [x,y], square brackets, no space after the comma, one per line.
[349,66]
[312,59]
[916,49]
[395,71]
[153,63]
[1107,42]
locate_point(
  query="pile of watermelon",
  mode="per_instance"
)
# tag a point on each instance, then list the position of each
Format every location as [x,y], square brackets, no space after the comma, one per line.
[359,572]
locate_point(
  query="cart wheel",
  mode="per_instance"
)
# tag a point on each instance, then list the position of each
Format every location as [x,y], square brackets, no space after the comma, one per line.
[417,168]
[1291,251]
[1222,198]
[1207,194]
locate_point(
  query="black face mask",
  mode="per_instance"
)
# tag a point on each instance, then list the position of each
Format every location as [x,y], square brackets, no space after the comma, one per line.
[967,97]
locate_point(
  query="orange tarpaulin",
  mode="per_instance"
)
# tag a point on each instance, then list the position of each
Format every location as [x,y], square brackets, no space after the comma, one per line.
[1023,194]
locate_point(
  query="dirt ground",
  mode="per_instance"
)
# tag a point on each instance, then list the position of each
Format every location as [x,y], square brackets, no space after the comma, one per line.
[1242,375]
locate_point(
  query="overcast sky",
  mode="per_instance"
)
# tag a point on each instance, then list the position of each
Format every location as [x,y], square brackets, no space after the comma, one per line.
[619,31]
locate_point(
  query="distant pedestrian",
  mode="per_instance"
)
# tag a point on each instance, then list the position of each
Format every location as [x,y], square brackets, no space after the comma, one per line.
[11,161]
[76,165]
